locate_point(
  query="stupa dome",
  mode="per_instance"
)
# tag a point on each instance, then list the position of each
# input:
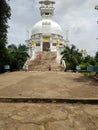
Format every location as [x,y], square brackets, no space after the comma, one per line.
[47,26]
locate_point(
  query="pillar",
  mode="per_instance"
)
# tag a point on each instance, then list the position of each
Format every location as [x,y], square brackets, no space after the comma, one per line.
[41,43]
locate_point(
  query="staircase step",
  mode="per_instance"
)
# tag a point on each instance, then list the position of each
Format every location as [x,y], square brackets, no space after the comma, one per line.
[43,60]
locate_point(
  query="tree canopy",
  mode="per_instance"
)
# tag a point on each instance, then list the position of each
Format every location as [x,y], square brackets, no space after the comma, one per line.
[5,14]
[17,56]
[96,57]
[72,56]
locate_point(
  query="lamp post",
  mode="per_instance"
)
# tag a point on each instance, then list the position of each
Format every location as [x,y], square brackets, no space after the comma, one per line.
[97,44]
[96,7]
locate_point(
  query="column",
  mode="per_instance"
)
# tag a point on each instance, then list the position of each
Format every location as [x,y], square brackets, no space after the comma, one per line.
[51,49]
[33,53]
[41,43]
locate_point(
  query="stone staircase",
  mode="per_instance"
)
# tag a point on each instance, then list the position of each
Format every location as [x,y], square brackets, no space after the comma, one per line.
[45,61]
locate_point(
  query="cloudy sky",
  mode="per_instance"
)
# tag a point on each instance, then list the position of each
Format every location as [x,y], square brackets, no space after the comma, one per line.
[77,16]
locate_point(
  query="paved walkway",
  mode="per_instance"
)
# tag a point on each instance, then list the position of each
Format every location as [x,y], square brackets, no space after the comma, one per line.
[47,85]
[48,117]
[44,116]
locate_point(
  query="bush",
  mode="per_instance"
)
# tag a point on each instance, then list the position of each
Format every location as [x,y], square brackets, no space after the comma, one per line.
[84,66]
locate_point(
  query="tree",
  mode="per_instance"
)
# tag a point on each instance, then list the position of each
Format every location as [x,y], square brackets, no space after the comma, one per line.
[96,57]
[72,56]
[18,55]
[88,61]
[4,16]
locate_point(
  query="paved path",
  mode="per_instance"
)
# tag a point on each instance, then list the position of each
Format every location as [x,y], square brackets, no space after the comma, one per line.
[47,85]
[48,117]
[44,116]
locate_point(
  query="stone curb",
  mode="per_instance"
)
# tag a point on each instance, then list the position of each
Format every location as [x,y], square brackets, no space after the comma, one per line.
[50,100]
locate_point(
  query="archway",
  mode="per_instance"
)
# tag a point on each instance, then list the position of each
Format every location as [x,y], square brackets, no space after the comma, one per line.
[46,46]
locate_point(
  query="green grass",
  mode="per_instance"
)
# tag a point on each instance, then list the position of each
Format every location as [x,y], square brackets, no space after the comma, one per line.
[89,74]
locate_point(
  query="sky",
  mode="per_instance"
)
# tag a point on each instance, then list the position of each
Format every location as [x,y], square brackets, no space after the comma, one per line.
[77,16]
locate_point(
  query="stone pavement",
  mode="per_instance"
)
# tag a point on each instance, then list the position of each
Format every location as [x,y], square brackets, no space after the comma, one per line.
[48,116]
[47,85]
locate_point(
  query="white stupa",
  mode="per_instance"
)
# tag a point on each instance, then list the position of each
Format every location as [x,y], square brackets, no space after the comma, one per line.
[46,34]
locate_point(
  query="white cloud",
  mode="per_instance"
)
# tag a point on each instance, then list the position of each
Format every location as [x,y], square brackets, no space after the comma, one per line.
[79,16]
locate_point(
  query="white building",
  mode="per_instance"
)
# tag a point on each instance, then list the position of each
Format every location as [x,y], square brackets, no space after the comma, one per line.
[46,34]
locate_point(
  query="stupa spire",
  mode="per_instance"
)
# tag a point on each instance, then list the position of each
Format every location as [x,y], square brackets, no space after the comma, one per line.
[47,9]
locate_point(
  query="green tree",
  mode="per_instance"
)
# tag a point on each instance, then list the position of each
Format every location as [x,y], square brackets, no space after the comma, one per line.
[18,55]
[72,56]
[87,61]
[4,16]
[96,57]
